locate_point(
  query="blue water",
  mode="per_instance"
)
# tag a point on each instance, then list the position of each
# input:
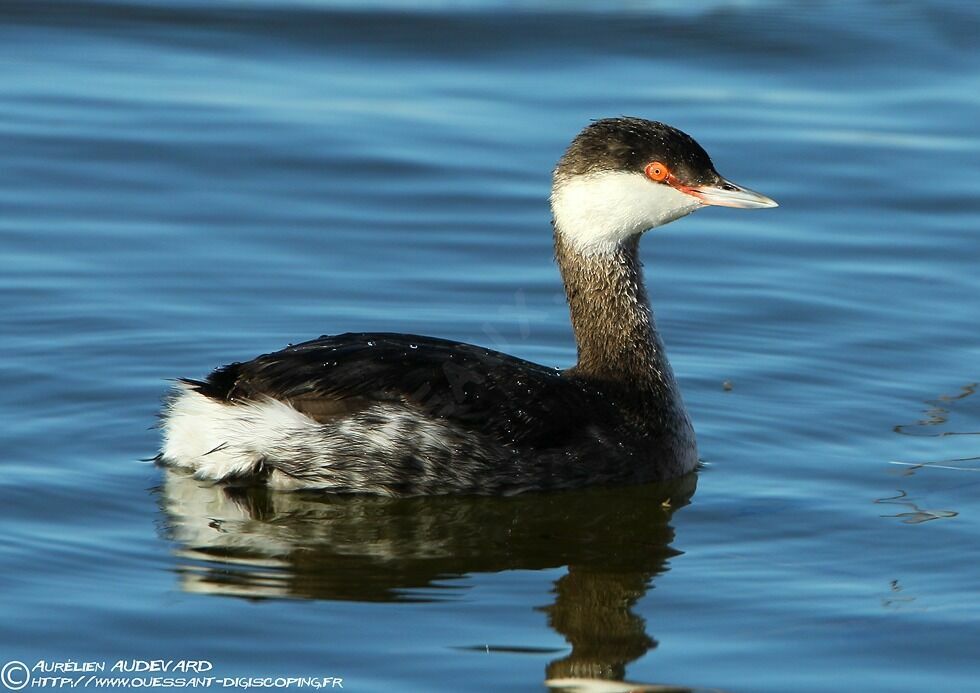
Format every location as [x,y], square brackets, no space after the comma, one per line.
[188,183]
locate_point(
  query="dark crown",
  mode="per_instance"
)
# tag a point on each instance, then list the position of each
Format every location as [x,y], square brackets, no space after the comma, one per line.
[629,144]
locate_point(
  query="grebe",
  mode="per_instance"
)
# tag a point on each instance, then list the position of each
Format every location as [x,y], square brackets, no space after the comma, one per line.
[402,414]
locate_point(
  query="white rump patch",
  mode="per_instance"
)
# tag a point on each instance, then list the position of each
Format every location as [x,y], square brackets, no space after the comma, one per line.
[219,440]
[362,452]
[597,212]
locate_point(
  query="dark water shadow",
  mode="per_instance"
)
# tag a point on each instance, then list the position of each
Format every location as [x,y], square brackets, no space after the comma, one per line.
[942,421]
[937,416]
[253,543]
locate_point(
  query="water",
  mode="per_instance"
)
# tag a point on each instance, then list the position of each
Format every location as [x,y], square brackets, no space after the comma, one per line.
[185,184]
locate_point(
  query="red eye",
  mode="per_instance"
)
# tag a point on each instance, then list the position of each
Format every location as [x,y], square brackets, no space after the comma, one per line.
[656,171]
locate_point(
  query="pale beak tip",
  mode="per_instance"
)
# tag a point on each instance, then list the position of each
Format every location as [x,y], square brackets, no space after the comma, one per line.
[730,195]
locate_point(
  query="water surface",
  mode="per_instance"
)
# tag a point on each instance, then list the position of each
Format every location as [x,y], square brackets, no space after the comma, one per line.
[184,184]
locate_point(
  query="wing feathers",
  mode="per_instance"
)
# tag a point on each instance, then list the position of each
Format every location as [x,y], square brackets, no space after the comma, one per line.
[483,390]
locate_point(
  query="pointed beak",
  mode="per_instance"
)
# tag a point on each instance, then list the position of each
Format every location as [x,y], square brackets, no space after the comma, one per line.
[727,194]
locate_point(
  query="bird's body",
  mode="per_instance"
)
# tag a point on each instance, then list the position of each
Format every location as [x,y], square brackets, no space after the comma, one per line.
[406,415]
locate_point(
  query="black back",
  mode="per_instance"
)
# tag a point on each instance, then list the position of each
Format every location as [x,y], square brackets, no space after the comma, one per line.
[485,391]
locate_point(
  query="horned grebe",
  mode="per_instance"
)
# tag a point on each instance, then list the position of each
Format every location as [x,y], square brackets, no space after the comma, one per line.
[401,414]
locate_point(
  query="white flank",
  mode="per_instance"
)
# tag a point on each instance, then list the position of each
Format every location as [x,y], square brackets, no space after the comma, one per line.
[220,440]
[597,212]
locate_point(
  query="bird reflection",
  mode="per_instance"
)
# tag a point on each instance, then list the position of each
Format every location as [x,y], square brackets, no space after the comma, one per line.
[259,544]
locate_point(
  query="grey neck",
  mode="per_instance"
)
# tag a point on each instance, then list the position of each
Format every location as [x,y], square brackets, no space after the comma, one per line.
[618,344]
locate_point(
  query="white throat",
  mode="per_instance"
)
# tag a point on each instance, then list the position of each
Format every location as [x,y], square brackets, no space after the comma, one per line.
[596,212]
